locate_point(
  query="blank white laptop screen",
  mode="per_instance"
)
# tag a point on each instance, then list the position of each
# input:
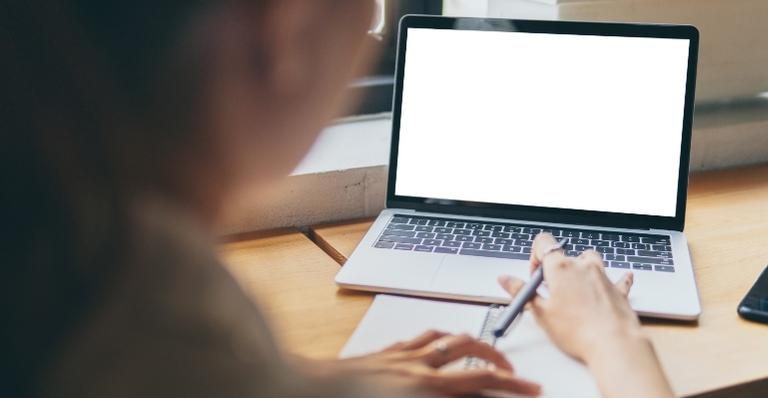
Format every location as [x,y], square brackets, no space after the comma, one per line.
[551,120]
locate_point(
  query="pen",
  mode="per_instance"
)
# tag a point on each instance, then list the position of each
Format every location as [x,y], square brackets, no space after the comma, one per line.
[526,293]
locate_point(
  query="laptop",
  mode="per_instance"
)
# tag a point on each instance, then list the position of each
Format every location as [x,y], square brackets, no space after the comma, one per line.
[503,129]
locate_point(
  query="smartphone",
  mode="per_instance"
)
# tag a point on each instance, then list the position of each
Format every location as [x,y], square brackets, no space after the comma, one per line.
[754,306]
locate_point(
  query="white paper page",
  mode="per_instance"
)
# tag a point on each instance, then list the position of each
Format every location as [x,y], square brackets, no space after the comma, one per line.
[392,318]
[535,357]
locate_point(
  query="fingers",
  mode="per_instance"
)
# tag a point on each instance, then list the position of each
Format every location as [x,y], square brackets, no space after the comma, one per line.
[474,381]
[541,244]
[451,348]
[511,284]
[591,257]
[417,342]
[624,284]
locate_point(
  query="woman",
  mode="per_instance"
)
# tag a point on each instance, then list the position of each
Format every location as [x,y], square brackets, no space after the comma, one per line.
[126,130]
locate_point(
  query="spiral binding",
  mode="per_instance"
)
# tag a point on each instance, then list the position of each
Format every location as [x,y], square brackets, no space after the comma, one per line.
[486,335]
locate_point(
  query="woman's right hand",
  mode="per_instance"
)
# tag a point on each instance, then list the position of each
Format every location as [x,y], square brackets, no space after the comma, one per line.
[590,318]
[584,309]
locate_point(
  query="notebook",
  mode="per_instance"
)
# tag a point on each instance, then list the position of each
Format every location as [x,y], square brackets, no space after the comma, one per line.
[526,345]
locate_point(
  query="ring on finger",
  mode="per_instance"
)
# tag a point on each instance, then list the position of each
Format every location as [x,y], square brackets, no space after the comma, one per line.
[442,348]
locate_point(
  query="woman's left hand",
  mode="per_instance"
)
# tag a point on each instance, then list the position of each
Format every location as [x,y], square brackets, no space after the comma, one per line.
[417,363]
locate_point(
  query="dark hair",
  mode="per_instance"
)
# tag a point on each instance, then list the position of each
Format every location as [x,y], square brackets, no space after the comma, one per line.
[91,98]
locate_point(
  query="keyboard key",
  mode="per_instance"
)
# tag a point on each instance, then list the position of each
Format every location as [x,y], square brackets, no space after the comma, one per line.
[500,234]
[402,227]
[484,239]
[656,240]
[510,248]
[499,254]
[444,236]
[437,223]
[474,225]
[569,233]
[464,238]
[451,243]
[643,246]
[578,241]
[521,242]
[590,234]
[443,230]
[480,232]
[651,253]
[630,238]
[644,267]
[626,251]
[503,241]
[432,242]
[650,260]
[422,248]
[394,232]
[521,236]
[488,227]
[423,228]
[619,264]
[572,253]
[606,250]
[400,239]
[399,220]
[568,247]
[472,245]
[624,245]
[582,248]
[419,221]
[497,228]
[663,248]
[491,246]
[459,231]
[403,246]
[510,228]
[606,236]
[382,244]
[527,250]
[454,224]
[615,257]
[664,268]
[428,235]
[600,243]
[450,250]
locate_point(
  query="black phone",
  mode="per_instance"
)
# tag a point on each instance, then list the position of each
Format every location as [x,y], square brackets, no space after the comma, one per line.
[754,306]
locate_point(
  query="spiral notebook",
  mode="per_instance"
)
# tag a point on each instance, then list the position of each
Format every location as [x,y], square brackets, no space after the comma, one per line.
[534,356]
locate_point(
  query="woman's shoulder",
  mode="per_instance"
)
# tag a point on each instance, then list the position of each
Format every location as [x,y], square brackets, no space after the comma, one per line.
[172,312]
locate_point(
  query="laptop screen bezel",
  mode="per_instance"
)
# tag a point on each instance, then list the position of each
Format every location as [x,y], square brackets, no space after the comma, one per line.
[534,213]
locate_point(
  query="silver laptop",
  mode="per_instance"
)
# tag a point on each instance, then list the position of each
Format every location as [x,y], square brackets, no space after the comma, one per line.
[506,128]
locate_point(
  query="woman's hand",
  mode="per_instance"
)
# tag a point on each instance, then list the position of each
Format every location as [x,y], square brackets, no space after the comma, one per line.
[584,309]
[589,318]
[416,363]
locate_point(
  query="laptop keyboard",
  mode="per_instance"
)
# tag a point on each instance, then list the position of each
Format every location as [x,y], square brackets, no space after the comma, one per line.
[642,252]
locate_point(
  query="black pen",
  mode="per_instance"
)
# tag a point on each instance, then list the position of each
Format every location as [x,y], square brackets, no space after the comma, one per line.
[526,293]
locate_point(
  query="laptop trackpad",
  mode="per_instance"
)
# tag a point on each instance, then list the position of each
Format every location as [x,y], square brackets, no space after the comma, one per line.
[476,276]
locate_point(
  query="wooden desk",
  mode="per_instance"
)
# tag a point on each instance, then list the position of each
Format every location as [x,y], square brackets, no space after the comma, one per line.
[727,229]
[292,281]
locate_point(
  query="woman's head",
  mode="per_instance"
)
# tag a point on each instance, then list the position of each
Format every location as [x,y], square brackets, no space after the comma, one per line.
[189,97]
[104,102]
